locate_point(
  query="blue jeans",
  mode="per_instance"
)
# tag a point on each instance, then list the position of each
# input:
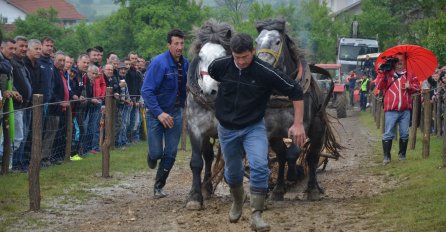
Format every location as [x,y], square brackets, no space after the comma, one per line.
[391,119]
[254,142]
[124,110]
[91,125]
[363,100]
[135,120]
[22,128]
[157,135]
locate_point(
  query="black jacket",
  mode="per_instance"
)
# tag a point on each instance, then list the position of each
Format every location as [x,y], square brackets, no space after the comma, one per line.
[243,94]
[34,72]
[22,82]
[134,83]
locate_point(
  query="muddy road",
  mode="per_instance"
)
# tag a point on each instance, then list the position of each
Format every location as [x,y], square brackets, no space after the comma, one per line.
[129,205]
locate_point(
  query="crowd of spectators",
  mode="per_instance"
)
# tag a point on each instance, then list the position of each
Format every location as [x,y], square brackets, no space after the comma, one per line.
[32,66]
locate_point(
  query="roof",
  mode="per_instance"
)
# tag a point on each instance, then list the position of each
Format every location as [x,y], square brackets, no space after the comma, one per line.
[64,9]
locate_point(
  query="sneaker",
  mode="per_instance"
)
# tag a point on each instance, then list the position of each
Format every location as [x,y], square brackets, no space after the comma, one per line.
[386,161]
[401,157]
[76,158]
[159,193]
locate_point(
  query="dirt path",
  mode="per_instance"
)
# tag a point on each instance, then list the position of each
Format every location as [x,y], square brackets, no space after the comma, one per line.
[129,206]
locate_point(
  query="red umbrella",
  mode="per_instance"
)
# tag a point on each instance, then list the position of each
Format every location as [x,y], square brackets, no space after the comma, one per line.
[420,61]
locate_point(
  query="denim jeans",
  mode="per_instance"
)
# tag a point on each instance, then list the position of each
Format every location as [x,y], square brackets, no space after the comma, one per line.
[135,121]
[124,111]
[352,97]
[363,100]
[157,135]
[395,117]
[91,125]
[22,128]
[254,142]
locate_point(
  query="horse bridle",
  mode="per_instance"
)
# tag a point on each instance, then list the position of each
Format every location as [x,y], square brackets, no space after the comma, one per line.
[273,53]
[298,72]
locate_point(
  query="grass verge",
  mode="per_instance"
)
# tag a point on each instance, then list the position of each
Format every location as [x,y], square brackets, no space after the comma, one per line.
[70,180]
[418,203]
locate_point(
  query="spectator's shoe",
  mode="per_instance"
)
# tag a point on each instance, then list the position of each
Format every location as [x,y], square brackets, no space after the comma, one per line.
[76,158]
[93,152]
[159,193]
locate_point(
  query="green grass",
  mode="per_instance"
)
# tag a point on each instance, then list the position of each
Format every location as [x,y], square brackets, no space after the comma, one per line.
[70,182]
[418,202]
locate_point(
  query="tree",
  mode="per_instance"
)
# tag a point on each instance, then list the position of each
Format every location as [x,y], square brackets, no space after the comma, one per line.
[42,23]
[317,31]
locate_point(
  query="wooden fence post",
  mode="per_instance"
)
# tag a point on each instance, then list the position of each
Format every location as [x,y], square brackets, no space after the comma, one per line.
[69,137]
[378,114]
[36,154]
[105,146]
[438,117]
[413,128]
[6,144]
[444,137]
[373,108]
[427,123]
[434,118]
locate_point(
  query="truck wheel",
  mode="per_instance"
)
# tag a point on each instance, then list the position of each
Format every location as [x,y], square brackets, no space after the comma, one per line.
[341,105]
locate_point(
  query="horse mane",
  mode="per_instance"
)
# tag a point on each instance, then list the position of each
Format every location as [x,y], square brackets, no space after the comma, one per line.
[213,32]
[279,24]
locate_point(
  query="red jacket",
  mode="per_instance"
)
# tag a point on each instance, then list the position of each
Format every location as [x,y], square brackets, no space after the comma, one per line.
[397,98]
[100,86]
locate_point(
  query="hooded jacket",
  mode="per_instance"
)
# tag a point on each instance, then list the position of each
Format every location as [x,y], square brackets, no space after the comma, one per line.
[397,98]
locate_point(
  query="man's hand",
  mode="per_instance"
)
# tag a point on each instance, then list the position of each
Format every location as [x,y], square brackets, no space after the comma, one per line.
[16,96]
[297,134]
[75,97]
[166,120]
[95,101]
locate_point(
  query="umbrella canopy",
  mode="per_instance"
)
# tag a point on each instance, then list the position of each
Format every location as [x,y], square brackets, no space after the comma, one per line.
[419,61]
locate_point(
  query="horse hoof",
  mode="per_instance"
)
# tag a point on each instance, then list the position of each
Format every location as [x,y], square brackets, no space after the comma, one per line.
[206,195]
[277,196]
[194,205]
[313,195]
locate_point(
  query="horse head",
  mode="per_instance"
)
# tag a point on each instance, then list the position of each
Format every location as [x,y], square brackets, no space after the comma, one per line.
[208,53]
[275,47]
[211,41]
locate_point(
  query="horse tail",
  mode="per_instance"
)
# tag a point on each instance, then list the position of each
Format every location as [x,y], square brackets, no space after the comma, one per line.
[329,95]
[331,145]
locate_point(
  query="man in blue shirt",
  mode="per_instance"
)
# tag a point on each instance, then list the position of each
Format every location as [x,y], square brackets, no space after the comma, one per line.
[164,94]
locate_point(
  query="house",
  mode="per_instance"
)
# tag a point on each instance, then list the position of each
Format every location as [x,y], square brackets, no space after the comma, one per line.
[339,7]
[11,10]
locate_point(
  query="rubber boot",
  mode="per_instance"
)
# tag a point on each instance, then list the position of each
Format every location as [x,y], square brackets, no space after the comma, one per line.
[403,148]
[238,196]
[387,147]
[160,181]
[257,206]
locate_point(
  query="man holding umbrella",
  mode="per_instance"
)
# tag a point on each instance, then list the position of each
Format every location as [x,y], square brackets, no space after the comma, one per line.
[398,85]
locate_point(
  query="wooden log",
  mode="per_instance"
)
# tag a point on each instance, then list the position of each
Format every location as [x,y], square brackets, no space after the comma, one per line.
[69,135]
[36,154]
[413,128]
[105,146]
[427,123]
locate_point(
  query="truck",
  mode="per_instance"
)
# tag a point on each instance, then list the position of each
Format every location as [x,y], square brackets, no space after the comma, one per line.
[348,50]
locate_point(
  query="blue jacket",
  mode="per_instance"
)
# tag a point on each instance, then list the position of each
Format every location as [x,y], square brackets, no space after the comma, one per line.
[46,77]
[160,86]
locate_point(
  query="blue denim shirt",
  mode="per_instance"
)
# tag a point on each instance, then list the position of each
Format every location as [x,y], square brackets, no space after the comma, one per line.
[160,87]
